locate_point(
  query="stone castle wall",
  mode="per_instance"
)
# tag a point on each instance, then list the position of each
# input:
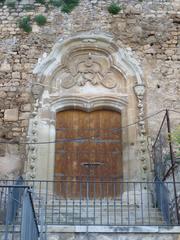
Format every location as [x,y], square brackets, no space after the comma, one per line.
[150,30]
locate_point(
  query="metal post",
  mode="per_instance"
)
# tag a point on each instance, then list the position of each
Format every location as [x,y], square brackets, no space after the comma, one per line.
[7,215]
[87,204]
[172,163]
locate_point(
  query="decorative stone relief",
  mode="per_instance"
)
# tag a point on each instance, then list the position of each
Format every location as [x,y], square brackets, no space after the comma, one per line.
[33,147]
[31,171]
[139,91]
[89,70]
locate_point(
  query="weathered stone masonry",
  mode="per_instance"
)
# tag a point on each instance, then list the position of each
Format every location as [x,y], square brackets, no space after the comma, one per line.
[150,31]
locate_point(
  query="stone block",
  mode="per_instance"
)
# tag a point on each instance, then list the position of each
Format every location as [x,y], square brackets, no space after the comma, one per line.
[23,116]
[24,98]
[3,94]
[121,26]
[26,107]
[11,115]
[24,123]
[35,28]
[16,75]
[169,52]
[17,67]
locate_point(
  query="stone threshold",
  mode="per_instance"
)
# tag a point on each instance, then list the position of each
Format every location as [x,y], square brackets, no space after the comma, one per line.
[112,229]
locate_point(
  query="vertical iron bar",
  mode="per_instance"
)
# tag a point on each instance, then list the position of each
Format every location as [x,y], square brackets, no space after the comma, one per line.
[161,196]
[87,204]
[20,218]
[80,207]
[114,187]
[169,219]
[107,200]
[155,195]
[101,197]
[142,214]
[59,198]
[172,163]
[94,200]
[39,200]
[46,202]
[52,206]
[74,184]
[121,200]
[148,203]
[6,213]
[134,203]
[66,196]
[127,189]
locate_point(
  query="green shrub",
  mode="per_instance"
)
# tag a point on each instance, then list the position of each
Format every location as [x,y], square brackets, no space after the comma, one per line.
[24,24]
[11,3]
[69,5]
[40,20]
[114,8]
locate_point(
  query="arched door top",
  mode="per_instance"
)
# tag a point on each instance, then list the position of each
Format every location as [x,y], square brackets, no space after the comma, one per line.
[98,48]
[116,103]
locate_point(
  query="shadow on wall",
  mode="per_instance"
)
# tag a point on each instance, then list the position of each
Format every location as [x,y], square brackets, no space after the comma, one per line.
[10,161]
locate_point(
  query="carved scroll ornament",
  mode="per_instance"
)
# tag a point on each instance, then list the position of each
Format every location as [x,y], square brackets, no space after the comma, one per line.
[89,71]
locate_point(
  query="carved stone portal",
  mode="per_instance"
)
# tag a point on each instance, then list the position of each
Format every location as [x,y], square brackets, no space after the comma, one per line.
[88,72]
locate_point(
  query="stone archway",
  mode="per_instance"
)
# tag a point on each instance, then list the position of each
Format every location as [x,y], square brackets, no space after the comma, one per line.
[85,72]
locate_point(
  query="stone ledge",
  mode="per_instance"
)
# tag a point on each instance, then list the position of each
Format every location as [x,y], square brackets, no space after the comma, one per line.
[113,229]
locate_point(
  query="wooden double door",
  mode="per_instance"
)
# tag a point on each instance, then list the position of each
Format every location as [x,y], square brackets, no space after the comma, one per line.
[88,153]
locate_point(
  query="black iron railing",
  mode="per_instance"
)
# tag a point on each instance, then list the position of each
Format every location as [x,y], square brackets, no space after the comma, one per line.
[165,161]
[29,225]
[93,201]
[18,220]
[163,200]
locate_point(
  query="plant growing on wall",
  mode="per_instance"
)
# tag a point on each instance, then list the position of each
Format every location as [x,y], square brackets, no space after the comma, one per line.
[40,20]
[175,136]
[24,23]
[114,8]
[69,5]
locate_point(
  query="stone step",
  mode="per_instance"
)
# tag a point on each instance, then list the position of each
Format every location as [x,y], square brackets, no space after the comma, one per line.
[98,207]
[105,213]
[129,209]
[129,200]
[77,216]
[100,211]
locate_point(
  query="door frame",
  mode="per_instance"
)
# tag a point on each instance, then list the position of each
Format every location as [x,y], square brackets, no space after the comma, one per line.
[114,103]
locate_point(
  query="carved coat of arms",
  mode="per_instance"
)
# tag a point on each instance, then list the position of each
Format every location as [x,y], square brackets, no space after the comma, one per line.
[89,70]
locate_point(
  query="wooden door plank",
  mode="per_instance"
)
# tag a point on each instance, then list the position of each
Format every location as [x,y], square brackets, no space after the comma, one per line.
[88,137]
